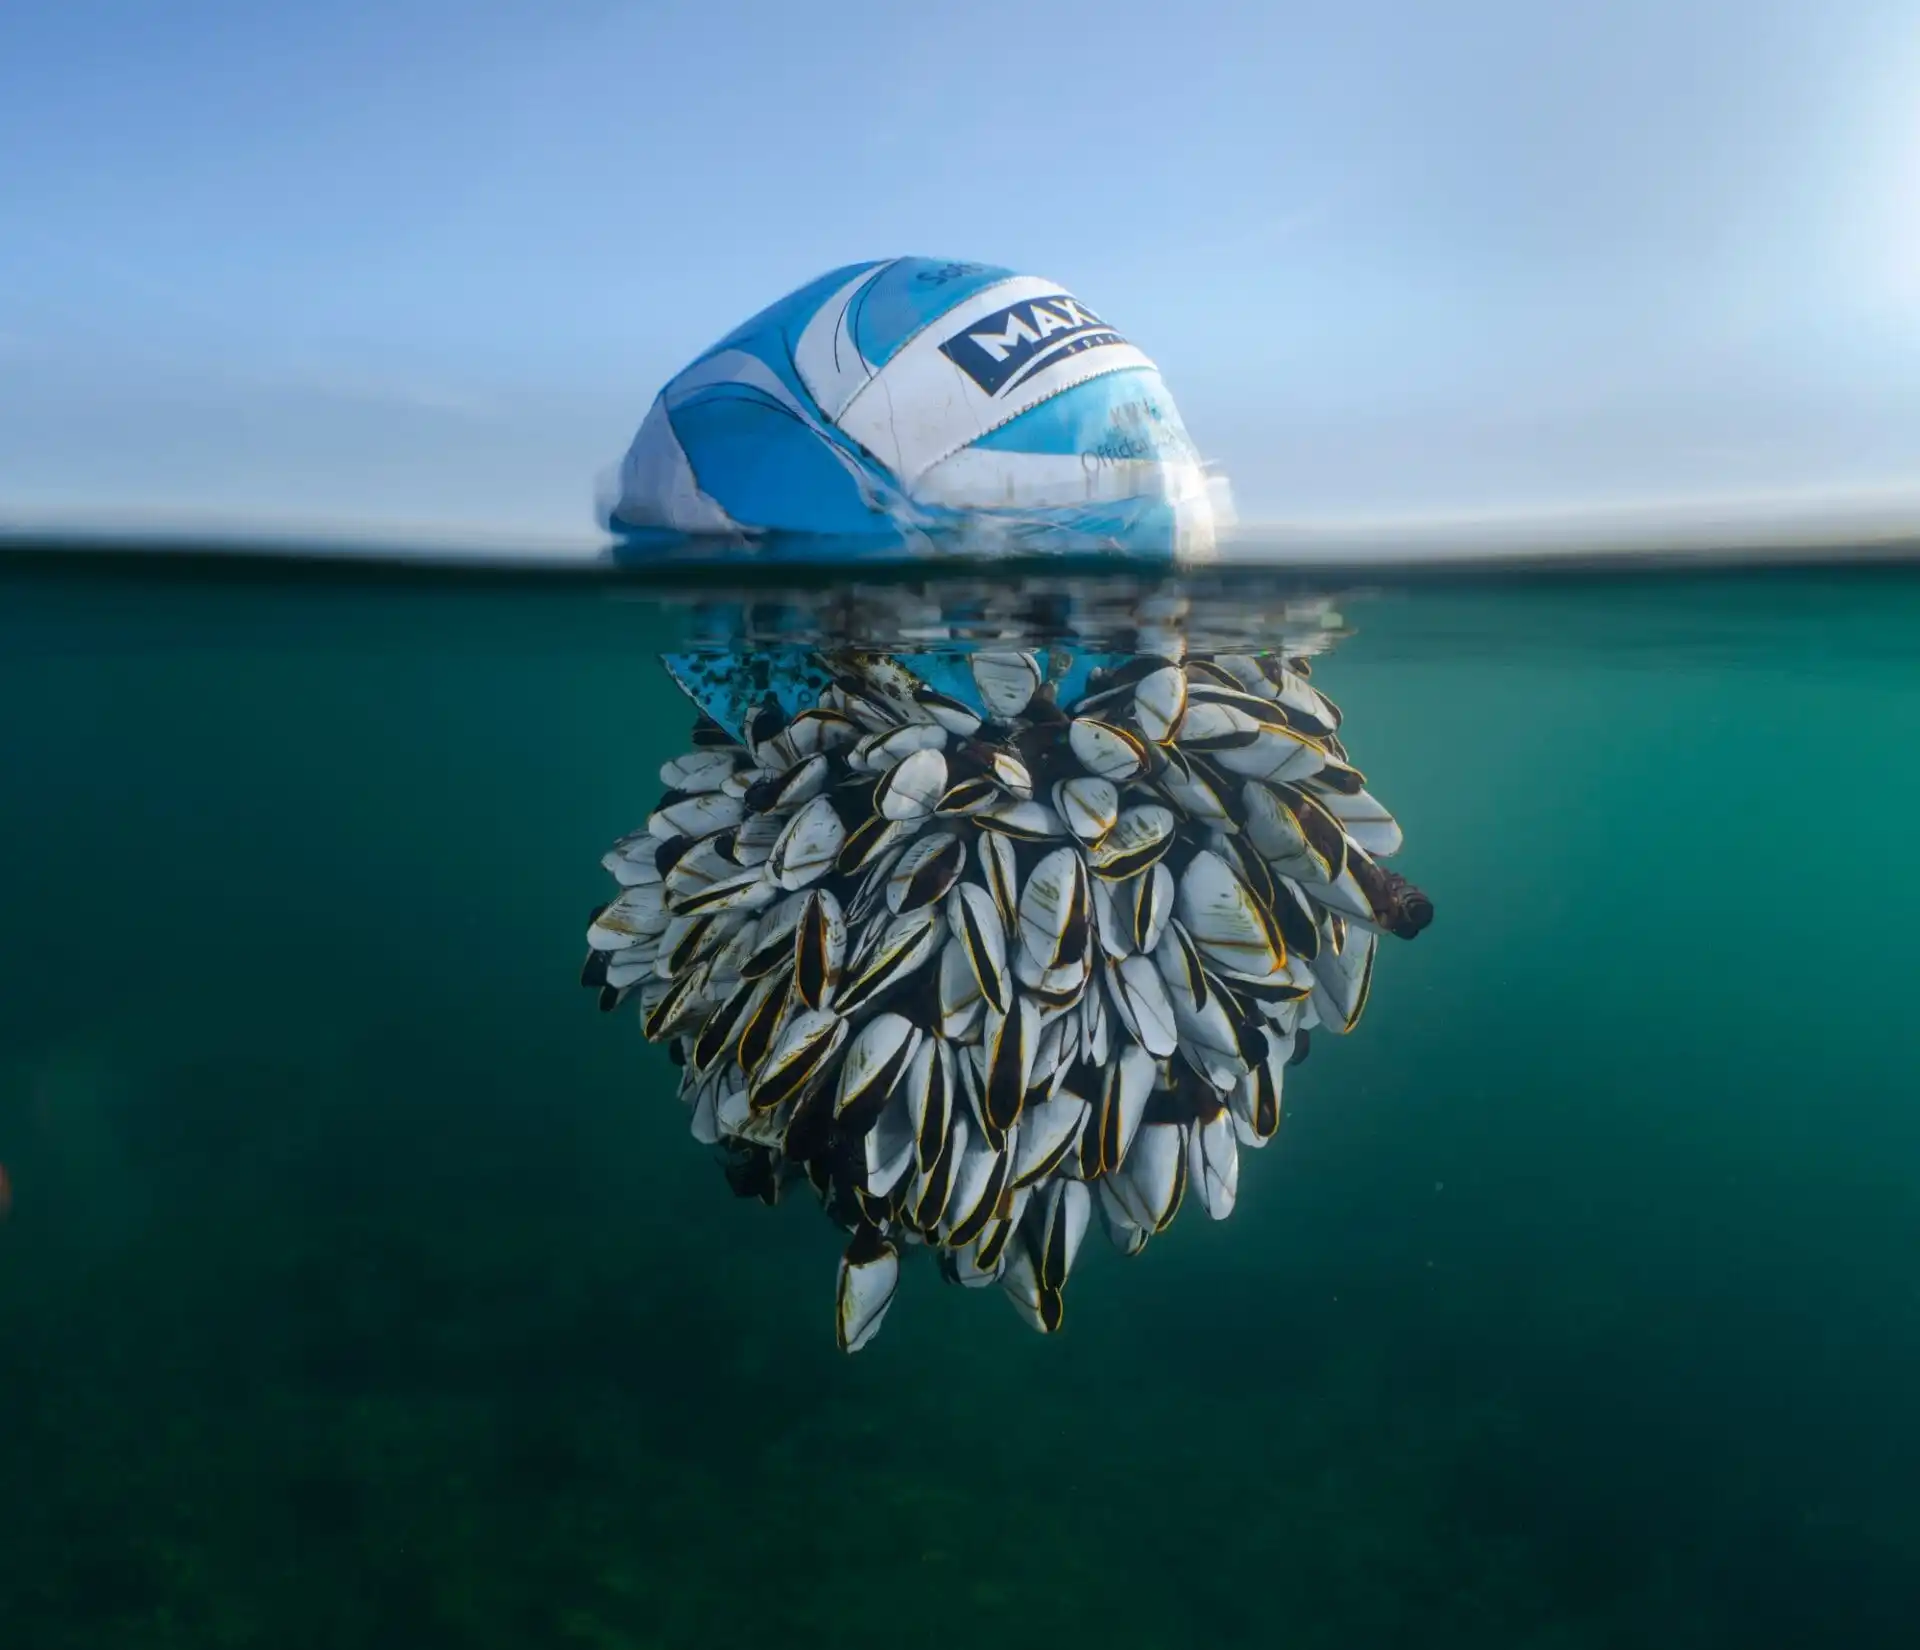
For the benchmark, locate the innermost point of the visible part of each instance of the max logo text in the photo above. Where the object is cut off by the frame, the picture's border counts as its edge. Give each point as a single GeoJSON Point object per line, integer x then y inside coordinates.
{"type": "Point", "coordinates": [1001, 349]}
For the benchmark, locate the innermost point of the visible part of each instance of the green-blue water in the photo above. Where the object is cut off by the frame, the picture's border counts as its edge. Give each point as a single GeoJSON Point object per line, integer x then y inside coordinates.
{"type": "Point", "coordinates": [362, 1286]}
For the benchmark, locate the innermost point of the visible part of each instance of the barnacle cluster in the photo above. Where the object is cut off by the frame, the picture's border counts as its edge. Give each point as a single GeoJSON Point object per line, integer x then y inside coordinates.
{"type": "Point", "coordinates": [973, 952]}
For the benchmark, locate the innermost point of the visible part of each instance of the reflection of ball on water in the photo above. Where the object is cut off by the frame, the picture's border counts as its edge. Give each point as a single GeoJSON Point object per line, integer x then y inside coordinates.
{"type": "Point", "coordinates": [912, 394]}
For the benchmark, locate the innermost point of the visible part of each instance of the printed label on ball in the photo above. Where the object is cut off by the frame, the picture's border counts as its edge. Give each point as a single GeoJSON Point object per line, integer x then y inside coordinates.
{"type": "Point", "coordinates": [996, 353]}
{"type": "Point", "coordinates": [1000, 350]}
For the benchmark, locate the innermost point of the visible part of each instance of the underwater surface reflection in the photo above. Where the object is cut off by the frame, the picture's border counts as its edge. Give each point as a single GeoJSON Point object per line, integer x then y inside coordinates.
{"type": "Point", "coordinates": [361, 1285]}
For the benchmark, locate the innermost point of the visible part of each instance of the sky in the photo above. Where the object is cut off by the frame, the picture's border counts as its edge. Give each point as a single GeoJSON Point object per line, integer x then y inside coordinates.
{"type": "Point", "coordinates": [427, 262]}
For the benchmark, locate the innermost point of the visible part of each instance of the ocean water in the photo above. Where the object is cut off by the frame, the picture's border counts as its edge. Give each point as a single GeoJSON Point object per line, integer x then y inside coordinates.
{"type": "Point", "coordinates": [362, 1285]}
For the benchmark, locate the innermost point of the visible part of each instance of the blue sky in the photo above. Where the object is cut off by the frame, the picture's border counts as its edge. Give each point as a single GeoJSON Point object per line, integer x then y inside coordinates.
{"type": "Point", "coordinates": [427, 262]}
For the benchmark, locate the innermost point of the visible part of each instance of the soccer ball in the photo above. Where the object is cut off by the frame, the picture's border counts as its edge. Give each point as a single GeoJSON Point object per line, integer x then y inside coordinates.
{"type": "Point", "coordinates": [914, 399]}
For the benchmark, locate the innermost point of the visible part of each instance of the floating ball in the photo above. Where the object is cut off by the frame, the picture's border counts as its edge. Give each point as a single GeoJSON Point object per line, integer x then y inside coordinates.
{"type": "Point", "coordinates": [912, 397]}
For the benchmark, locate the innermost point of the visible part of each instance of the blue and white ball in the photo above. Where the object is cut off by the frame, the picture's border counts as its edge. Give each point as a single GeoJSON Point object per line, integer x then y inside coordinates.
{"type": "Point", "coordinates": [913, 398]}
